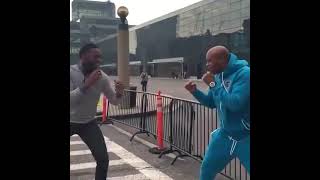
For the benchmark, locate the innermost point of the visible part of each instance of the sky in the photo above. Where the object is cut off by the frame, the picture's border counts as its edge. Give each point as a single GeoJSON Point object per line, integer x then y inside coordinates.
{"type": "Point", "coordinates": [141, 11]}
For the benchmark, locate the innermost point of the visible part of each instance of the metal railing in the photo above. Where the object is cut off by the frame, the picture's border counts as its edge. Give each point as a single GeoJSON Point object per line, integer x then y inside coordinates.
{"type": "Point", "coordinates": [186, 126]}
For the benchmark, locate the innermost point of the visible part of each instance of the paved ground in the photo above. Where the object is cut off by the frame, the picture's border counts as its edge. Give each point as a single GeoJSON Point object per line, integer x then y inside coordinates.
{"type": "Point", "coordinates": [129, 160]}
{"type": "Point", "coordinates": [132, 160]}
{"type": "Point", "coordinates": [173, 87]}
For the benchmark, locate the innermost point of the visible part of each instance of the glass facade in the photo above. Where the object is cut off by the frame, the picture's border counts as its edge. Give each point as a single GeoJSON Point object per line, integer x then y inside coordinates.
{"type": "Point", "coordinates": [219, 16]}
{"type": "Point", "coordinates": [92, 21]}
{"type": "Point", "coordinates": [91, 13]}
{"type": "Point", "coordinates": [188, 33]}
{"type": "Point", "coordinates": [92, 8]}
{"type": "Point", "coordinates": [74, 50]}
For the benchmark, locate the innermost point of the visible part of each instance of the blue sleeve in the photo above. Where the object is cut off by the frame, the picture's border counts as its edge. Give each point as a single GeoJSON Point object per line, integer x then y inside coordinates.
{"type": "Point", "coordinates": [240, 95]}
{"type": "Point", "coordinates": [204, 99]}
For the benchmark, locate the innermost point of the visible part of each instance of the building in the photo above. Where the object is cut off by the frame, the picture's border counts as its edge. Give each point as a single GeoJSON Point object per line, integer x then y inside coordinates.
{"type": "Point", "coordinates": [92, 8]}
{"type": "Point", "coordinates": [186, 34]}
{"type": "Point", "coordinates": [91, 21]}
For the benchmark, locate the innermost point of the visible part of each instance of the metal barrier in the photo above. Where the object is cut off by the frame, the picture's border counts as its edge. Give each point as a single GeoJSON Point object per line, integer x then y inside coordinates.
{"type": "Point", "coordinates": [187, 126]}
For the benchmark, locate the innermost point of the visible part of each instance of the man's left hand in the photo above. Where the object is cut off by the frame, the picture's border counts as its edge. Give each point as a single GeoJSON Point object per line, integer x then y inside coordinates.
{"type": "Point", "coordinates": [208, 78]}
{"type": "Point", "coordinates": [119, 88]}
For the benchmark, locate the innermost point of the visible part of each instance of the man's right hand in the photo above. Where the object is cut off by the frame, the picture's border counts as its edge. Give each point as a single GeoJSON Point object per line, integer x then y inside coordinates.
{"type": "Point", "coordinates": [208, 78]}
{"type": "Point", "coordinates": [191, 87]}
{"type": "Point", "coordinates": [92, 79]}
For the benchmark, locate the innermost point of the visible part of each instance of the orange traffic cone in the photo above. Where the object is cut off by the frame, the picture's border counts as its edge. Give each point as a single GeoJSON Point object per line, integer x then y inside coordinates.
{"type": "Point", "coordinates": [160, 148]}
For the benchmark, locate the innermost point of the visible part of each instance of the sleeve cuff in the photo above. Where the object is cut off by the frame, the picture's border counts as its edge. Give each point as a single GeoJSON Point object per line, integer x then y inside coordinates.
{"type": "Point", "coordinates": [82, 89]}
{"type": "Point", "coordinates": [196, 93]}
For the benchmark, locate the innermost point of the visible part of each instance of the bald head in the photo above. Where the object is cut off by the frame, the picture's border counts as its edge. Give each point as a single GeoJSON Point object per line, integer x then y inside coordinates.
{"type": "Point", "coordinates": [218, 52]}
{"type": "Point", "coordinates": [217, 59]}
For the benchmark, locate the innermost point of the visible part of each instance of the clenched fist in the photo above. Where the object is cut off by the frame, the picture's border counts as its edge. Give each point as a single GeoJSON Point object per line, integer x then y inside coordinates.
{"type": "Point", "coordinates": [119, 88]}
{"type": "Point", "coordinates": [91, 79]}
{"type": "Point", "coordinates": [191, 87]}
{"type": "Point", "coordinates": [208, 78]}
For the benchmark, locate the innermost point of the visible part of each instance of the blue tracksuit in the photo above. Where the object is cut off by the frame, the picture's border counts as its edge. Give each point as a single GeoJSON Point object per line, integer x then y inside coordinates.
{"type": "Point", "coordinates": [231, 97]}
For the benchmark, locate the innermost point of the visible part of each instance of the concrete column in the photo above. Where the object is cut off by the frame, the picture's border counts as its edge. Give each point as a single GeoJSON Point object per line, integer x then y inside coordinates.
{"type": "Point", "coordinates": [123, 58]}
{"type": "Point", "coordinates": [123, 54]}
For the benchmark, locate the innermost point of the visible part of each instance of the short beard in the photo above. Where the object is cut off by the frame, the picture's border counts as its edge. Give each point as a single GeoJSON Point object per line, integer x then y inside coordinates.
{"type": "Point", "coordinates": [88, 68]}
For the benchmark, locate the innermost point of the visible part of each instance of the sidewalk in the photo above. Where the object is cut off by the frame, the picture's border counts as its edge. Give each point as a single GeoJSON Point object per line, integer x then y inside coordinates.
{"type": "Point", "coordinates": [116, 111]}
{"type": "Point", "coordinates": [183, 169]}
{"type": "Point", "coordinates": [161, 78]}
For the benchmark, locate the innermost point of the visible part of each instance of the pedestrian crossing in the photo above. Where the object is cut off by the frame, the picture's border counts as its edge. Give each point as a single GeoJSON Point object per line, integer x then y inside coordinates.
{"type": "Point", "coordinates": [123, 165]}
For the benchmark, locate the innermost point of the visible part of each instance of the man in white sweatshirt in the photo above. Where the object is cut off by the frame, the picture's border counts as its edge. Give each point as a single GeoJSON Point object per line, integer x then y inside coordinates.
{"type": "Point", "coordinates": [87, 82]}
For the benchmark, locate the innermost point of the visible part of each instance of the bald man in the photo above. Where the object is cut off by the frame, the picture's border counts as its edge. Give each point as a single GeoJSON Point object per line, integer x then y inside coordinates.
{"type": "Point", "coordinates": [228, 80]}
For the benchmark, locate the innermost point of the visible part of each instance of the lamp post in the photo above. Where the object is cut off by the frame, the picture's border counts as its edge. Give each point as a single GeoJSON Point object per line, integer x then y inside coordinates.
{"type": "Point", "coordinates": [123, 57]}
{"type": "Point", "coordinates": [123, 47]}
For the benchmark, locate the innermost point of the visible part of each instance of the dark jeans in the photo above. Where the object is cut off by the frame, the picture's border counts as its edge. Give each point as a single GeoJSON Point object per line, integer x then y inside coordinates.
{"type": "Point", "coordinates": [91, 134]}
{"type": "Point", "coordinates": [144, 85]}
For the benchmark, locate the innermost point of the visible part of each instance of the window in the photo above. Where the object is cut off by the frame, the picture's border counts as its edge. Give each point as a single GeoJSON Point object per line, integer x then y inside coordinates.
{"type": "Point", "coordinates": [245, 3]}
{"type": "Point", "coordinates": [225, 17]}
{"type": "Point", "coordinates": [74, 50]}
{"type": "Point", "coordinates": [207, 14]}
{"type": "Point", "coordinates": [235, 23]}
{"type": "Point", "coordinates": [216, 20]}
{"type": "Point", "coordinates": [245, 12]}
{"type": "Point", "coordinates": [235, 15]}
{"type": "Point", "coordinates": [235, 6]}
{"type": "Point", "coordinates": [207, 23]}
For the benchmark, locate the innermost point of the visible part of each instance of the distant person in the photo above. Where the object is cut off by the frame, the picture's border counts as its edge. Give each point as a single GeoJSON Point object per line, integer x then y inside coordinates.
{"type": "Point", "coordinates": [228, 80]}
{"type": "Point", "coordinates": [174, 75]}
{"type": "Point", "coordinates": [87, 82]}
{"type": "Point", "coordinates": [144, 81]}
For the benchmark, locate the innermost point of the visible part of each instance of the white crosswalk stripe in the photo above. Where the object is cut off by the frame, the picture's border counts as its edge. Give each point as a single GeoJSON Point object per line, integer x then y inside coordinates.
{"type": "Point", "coordinates": [93, 165]}
{"type": "Point", "coordinates": [81, 152]}
{"type": "Point", "coordinates": [129, 177]}
{"type": "Point", "coordinates": [143, 170]}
